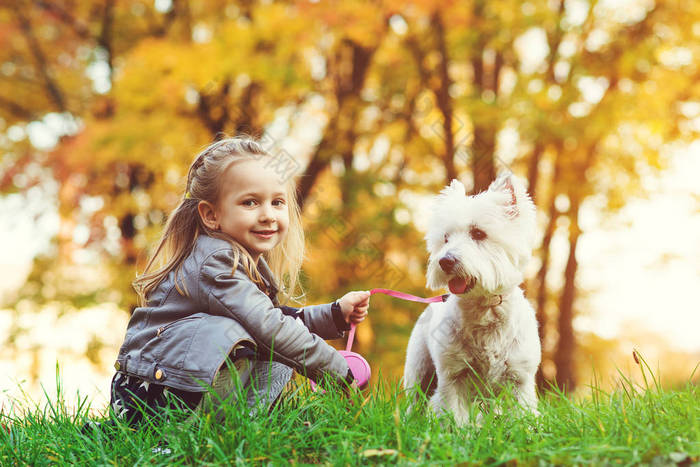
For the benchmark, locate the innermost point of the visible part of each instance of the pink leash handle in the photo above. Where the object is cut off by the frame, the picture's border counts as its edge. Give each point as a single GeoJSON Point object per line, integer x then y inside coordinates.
{"type": "Point", "coordinates": [351, 337]}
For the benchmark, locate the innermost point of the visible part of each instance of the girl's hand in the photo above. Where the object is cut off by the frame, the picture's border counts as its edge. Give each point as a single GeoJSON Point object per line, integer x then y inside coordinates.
{"type": "Point", "coordinates": [354, 306]}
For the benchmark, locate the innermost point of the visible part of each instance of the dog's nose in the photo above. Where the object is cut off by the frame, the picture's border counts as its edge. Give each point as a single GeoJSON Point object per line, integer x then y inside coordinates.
{"type": "Point", "coordinates": [447, 263]}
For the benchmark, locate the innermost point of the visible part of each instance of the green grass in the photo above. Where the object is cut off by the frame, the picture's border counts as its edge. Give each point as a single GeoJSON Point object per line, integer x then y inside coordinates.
{"type": "Point", "coordinates": [630, 426]}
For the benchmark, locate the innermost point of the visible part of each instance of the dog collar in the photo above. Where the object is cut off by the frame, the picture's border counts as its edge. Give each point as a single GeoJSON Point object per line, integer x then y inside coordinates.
{"type": "Point", "coordinates": [491, 301]}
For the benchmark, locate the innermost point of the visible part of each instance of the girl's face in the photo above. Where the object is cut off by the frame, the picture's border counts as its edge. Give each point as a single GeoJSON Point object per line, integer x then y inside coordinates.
{"type": "Point", "coordinates": [252, 207]}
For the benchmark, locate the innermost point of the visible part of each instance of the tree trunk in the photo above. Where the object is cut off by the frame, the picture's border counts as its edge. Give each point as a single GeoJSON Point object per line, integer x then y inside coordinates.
{"type": "Point", "coordinates": [566, 347]}
{"type": "Point", "coordinates": [564, 356]}
{"type": "Point", "coordinates": [444, 101]}
{"type": "Point", "coordinates": [348, 88]}
{"type": "Point", "coordinates": [533, 170]}
{"type": "Point", "coordinates": [484, 142]}
{"type": "Point", "coordinates": [482, 165]}
{"type": "Point", "coordinates": [486, 80]}
{"type": "Point", "coordinates": [540, 282]}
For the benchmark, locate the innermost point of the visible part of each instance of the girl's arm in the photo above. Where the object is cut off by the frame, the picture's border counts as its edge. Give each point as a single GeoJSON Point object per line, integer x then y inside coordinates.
{"type": "Point", "coordinates": [316, 317]}
{"type": "Point", "coordinates": [331, 320]}
{"type": "Point", "coordinates": [289, 342]}
{"type": "Point", "coordinates": [324, 320]}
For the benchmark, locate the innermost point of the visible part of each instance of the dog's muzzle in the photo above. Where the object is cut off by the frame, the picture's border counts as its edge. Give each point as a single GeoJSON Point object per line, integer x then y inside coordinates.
{"type": "Point", "coordinates": [461, 283]}
{"type": "Point", "coordinates": [447, 263]}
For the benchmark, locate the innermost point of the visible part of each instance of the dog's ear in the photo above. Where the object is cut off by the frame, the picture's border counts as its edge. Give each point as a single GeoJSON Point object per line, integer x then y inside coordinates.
{"type": "Point", "coordinates": [504, 183]}
{"type": "Point", "coordinates": [455, 187]}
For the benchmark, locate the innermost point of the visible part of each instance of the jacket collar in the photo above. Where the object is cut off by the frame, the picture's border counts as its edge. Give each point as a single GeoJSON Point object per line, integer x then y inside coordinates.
{"type": "Point", "coordinates": [267, 276]}
{"type": "Point", "coordinates": [264, 270]}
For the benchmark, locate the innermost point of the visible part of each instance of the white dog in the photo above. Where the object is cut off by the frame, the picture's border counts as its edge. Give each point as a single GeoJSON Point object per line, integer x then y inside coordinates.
{"type": "Point", "coordinates": [484, 336]}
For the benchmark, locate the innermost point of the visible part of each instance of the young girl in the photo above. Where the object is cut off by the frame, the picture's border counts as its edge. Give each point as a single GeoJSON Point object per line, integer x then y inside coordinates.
{"type": "Point", "coordinates": [209, 294]}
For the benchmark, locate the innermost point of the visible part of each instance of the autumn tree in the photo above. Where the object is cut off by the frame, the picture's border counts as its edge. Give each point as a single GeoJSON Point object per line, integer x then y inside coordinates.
{"type": "Point", "coordinates": [375, 105]}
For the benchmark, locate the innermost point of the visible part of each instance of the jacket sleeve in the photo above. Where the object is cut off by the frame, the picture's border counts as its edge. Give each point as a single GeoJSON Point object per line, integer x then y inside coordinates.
{"type": "Point", "coordinates": [321, 320]}
{"type": "Point", "coordinates": [288, 341]}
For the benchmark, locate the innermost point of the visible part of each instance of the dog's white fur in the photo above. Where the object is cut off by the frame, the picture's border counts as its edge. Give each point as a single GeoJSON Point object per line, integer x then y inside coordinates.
{"type": "Point", "coordinates": [471, 343]}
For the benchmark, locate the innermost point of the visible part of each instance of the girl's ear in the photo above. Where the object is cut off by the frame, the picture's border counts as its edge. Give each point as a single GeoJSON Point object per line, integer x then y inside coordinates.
{"type": "Point", "coordinates": [208, 214]}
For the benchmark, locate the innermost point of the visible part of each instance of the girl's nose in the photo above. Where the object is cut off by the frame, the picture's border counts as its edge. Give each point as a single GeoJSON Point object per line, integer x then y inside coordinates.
{"type": "Point", "coordinates": [266, 213]}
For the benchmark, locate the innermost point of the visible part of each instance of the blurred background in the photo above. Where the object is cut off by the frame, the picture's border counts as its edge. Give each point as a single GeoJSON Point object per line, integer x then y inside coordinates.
{"type": "Point", "coordinates": [374, 106]}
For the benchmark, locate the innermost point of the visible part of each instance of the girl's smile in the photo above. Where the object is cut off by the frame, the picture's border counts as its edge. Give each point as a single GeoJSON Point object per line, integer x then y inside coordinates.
{"type": "Point", "coordinates": [265, 234]}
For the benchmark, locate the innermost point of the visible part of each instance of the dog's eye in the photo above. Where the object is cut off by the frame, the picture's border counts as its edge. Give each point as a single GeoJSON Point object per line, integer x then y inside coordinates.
{"type": "Point", "coordinates": [477, 234]}
{"type": "Point", "coordinates": [447, 237]}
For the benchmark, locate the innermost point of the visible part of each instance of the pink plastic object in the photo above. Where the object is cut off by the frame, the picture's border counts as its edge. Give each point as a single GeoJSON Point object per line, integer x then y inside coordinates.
{"type": "Point", "coordinates": [357, 363]}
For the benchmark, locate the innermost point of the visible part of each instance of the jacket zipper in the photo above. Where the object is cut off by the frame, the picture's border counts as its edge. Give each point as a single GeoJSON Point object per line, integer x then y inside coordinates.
{"type": "Point", "coordinates": [163, 328]}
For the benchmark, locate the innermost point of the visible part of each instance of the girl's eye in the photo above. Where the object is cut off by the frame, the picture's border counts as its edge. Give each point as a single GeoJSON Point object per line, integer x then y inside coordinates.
{"type": "Point", "coordinates": [477, 234]}
{"type": "Point", "coordinates": [278, 202]}
{"type": "Point", "coordinates": [249, 202]}
{"type": "Point", "coordinates": [447, 237]}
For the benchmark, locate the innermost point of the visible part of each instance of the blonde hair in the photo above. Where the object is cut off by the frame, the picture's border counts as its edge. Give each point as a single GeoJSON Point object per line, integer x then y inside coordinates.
{"type": "Point", "coordinates": [184, 225]}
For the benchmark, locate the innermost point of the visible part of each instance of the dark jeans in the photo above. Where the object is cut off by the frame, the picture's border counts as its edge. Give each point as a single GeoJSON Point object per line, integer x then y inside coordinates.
{"type": "Point", "coordinates": [132, 399]}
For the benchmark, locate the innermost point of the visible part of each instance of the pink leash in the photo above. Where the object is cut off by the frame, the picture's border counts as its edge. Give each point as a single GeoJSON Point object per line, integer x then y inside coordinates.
{"type": "Point", "coordinates": [409, 297]}
{"type": "Point", "coordinates": [396, 294]}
